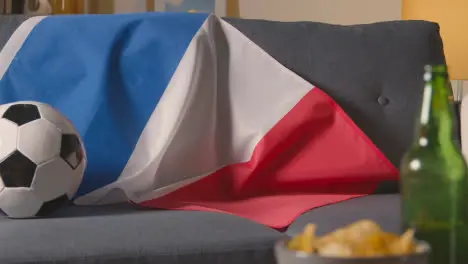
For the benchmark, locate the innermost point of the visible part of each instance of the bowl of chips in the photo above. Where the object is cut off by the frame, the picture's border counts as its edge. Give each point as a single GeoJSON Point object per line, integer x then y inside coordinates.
{"type": "Point", "coordinates": [362, 242]}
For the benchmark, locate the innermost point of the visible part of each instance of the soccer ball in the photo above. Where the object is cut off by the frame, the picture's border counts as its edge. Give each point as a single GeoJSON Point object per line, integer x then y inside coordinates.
{"type": "Point", "coordinates": [42, 159]}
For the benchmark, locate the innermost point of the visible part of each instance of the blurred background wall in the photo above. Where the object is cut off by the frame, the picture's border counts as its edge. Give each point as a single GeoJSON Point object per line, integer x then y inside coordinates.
{"type": "Point", "coordinates": [331, 11]}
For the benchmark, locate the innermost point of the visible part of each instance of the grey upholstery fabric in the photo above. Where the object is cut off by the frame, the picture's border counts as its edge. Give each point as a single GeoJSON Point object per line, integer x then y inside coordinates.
{"type": "Point", "coordinates": [124, 234]}
{"type": "Point", "coordinates": [372, 71]}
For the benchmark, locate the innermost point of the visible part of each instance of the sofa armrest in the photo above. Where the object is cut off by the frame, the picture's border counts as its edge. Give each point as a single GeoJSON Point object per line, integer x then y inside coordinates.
{"type": "Point", "coordinates": [8, 24]}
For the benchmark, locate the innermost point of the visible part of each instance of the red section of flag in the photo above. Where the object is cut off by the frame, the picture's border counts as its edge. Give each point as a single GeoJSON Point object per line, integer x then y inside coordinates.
{"type": "Point", "coordinates": [314, 156]}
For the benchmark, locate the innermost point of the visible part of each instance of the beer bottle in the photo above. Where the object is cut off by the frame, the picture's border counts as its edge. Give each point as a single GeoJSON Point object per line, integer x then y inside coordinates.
{"type": "Point", "coordinates": [433, 175]}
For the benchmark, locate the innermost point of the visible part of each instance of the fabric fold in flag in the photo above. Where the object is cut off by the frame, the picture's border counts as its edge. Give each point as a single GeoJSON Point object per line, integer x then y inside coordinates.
{"type": "Point", "coordinates": [182, 111]}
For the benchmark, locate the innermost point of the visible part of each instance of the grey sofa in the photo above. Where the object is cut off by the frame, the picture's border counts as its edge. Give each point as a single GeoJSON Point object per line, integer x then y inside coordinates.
{"type": "Point", "coordinates": [373, 71]}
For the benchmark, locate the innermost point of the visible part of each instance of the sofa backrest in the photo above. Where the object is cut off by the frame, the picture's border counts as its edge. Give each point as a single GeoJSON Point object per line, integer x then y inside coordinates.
{"type": "Point", "coordinates": [373, 71]}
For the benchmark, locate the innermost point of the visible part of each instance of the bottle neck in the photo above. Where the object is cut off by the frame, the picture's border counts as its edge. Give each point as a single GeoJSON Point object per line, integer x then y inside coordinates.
{"type": "Point", "coordinates": [437, 116]}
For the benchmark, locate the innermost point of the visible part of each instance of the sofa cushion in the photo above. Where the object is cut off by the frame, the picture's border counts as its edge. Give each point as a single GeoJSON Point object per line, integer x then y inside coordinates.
{"type": "Point", "coordinates": [125, 234]}
{"type": "Point", "coordinates": [374, 71]}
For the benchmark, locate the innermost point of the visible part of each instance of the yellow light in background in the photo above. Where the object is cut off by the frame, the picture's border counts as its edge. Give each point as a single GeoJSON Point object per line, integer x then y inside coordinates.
{"type": "Point", "coordinates": [233, 9]}
{"type": "Point", "coordinates": [67, 6]}
{"type": "Point", "coordinates": [452, 17]}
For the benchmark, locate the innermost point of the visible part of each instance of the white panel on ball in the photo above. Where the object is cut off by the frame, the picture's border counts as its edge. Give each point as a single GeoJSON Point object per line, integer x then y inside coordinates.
{"type": "Point", "coordinates": [52, 115]}
{"type": "Point", "coordinates": [3, 108]}
{"type": "Point", "coordinates": [42, 131]}
{"type": "Point", "coordinates": [52, 179]}
{"type": "Point", "coordinates": [19, 202]}
{"type": "Point", "coordinates": [8, 138]}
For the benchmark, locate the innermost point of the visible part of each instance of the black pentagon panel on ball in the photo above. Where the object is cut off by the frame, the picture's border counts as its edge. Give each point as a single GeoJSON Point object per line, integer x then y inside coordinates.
{"type": "Point", "coordinates": [71, 151]}
{"type": "Point", "coordinates": [22, 113]}
{"type": "Point", "coordinates": [51, 206]}
{"type": "Point", "coordinates": [17, 170]}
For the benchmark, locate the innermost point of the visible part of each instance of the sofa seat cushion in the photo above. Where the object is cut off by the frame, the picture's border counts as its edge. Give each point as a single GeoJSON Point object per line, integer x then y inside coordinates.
{"type": "Point", "coordinates": [125, 234]}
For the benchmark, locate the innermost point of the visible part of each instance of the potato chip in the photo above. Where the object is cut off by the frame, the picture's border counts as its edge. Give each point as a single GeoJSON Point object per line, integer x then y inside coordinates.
{"type": "Point", "coordinates": [404, 245]}
{"type": "Point", "coordinates": [374, 244]}
{"type": "Point", "coordinates": [295, 243]}
{"type": "Point", "coordinates": [308, 238]}
{"type": "Point", "coordinates": [335, 249]}
{"type": "Point", "coordinates": [363, 238]}
{"type": "Point", "coordinates": [305, 241]}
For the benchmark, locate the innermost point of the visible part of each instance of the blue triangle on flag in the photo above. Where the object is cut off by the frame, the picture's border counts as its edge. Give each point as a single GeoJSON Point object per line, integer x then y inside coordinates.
{"type": "Point", "coordinates": [106, 73]}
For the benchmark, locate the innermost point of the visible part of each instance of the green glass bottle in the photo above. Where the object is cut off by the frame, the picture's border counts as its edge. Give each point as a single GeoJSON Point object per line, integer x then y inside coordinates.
{"type": "Point", "coordinates": [433, 175]}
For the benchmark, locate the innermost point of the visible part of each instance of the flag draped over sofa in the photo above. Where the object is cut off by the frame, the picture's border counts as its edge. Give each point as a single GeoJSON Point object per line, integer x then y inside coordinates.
{"type": "Point", "coordinates": [182, 111]}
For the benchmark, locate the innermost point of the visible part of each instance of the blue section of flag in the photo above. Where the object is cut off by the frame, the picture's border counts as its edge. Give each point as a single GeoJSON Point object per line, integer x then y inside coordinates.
{"type": "Point", "coordinates": [106, 73]}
